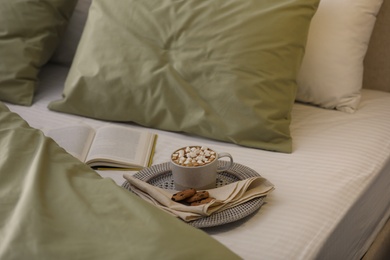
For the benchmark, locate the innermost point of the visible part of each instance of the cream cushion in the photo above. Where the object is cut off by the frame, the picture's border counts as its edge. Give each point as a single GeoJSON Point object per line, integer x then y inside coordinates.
{"type": "Point", "coordinates": [331, 74]}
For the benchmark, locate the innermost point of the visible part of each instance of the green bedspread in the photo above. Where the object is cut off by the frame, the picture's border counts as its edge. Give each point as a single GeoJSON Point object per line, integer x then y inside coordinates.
{"type": "Point", "coordinates": [54, 207]}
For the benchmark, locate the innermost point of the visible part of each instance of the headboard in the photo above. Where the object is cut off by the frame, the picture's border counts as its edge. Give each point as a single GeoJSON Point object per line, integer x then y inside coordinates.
{"type": "Point", "coordinates": [377, 60]}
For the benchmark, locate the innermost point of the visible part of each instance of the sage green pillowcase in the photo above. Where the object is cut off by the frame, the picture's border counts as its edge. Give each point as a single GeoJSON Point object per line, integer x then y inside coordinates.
{"type": "Point", "coordinates": [30, 31]}
{"type": "Point", "coordinates": [221, 69]}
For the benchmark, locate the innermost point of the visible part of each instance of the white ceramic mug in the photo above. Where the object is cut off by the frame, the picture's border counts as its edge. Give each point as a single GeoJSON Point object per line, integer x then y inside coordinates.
{"type": "Point", "coordinates": [199, 177]}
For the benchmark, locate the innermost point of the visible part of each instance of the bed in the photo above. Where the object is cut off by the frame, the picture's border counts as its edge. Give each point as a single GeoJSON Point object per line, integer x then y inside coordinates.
{"type": "Point", "coordinates": [329, 157]}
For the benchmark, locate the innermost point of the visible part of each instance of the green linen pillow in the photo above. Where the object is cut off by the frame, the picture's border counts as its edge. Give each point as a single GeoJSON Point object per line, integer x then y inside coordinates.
{"type": "Point", "coordinates": [30, 31]}
{"type": "Point", "coordinates": [222, 69]}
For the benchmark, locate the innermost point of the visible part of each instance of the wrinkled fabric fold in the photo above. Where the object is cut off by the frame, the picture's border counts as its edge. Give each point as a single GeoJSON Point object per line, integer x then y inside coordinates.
{"type": "Point", "coordinates": [226, 197]}
{"type": "Point", "coordinates": [52, 206]}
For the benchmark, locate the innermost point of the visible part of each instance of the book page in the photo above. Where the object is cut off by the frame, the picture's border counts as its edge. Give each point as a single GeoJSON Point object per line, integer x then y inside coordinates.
{"type": "Point", "coordinates": [75, 139]}
{"type": "Point", "coordinates": [122, 146]}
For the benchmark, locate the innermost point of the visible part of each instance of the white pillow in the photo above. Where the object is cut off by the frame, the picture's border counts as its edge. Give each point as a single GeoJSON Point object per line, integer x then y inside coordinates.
{"type": "Point", "coordinates": [331, 74]}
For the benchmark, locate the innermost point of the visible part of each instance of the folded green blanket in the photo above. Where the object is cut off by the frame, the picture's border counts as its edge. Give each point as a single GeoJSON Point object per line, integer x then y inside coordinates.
{"type": "Point", "coordinates": [54, 207]}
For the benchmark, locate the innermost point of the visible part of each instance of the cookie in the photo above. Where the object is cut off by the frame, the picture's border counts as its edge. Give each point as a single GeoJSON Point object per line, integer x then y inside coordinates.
{"type": "Point", "coordinates": [182, 195]}
{"type": "Point", "coordinates": [201, 202]}
{"type": "Point", "coordinates": [200, 195]}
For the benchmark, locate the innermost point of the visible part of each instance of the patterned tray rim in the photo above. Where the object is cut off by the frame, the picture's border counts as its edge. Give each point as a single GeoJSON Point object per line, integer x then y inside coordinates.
{"type": "Point", "coordinates": [238, 212]}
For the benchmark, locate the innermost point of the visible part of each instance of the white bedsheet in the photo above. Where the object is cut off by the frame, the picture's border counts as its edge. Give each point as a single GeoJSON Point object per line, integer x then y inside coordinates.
{"type": "Point", "coordinates": [339, 171]}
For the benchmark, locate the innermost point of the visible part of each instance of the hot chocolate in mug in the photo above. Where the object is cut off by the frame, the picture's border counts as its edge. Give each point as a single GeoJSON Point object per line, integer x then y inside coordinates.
{"type": "Point", "coordinates": [197, 167]}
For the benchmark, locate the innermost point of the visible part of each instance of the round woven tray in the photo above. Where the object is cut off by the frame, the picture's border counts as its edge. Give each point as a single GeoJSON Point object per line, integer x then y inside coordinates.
{"type": "Point", "coordinates": [160, 175]}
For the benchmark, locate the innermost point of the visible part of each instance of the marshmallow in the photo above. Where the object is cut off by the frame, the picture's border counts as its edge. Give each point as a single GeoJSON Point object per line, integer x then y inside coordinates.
{"type": "Point", "coordinates": [193, 156]}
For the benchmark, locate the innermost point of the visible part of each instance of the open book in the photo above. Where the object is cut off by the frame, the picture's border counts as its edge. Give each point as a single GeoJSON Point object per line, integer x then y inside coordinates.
{"type": "Point", "coordinates": [107, 146]}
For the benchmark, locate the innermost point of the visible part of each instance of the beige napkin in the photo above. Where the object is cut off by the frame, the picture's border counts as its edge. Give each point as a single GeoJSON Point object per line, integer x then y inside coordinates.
{"type": "Point", "coordinates": [226, 197]}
